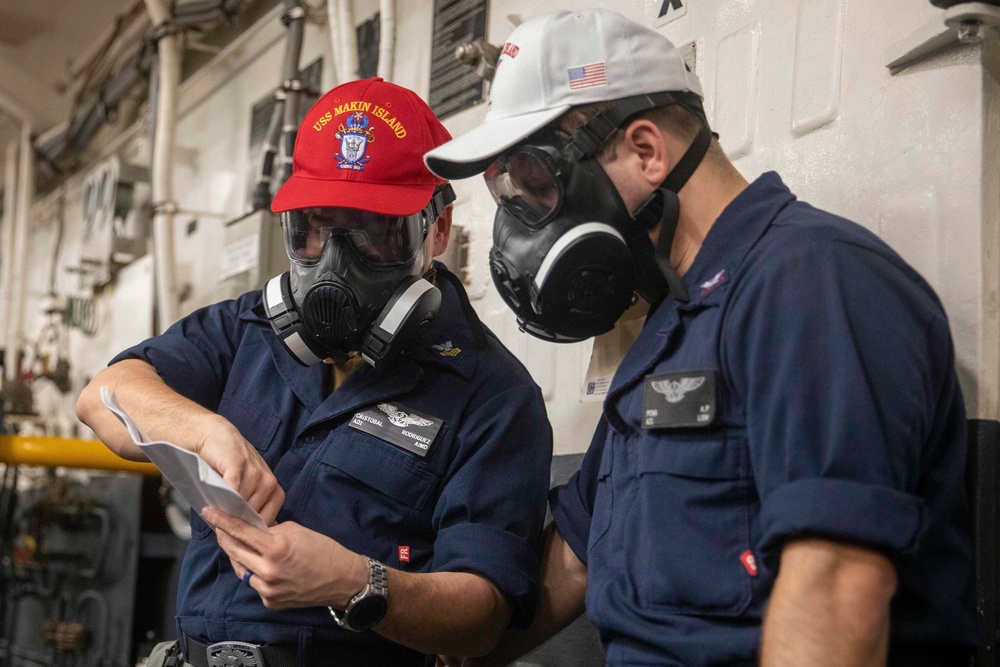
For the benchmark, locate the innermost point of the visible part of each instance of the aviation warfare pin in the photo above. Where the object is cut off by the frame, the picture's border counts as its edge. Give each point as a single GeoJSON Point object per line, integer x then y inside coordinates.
{"type": "Point", "coordinates": [399, 425]}
{"type": "Point", "coordinates": [679, 400]}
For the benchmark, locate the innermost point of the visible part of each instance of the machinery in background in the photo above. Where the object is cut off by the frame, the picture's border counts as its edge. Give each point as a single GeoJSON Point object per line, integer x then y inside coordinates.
{"type": "Point", "coordinates": [88, 560]}
{"type": "Point", "coordinates": [116, 218]}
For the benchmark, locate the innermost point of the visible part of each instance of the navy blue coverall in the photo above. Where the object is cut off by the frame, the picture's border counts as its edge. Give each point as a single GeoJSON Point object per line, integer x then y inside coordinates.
{"type": "Point", "coordinates": [472, 500]}
{"type": "Point", "coordinates": [807, 387]}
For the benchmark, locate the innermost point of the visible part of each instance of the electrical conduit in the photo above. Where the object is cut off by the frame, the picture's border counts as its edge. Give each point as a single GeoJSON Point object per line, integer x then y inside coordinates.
{"type": "Point", "coordinates": [169, 58]}
{"type": "Point", "coordinates": [295, 17]}
{"type": "Point", "coordinates": [387, 38]}
{"type": "Point", "coordinates": [22, 213]}
{"type": "Point", "coordinates": [342, 34]}
{"type": "Point", "coordinates": [7, 250]}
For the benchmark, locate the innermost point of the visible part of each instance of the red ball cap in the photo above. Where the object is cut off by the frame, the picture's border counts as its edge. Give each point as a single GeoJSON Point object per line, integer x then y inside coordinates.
{"type": "Point", "coordinates": [362, 146]}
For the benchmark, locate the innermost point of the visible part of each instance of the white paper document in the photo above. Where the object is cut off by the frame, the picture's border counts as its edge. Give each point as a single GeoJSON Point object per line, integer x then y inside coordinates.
{"type": "Point", "coordinates": [195, 480]}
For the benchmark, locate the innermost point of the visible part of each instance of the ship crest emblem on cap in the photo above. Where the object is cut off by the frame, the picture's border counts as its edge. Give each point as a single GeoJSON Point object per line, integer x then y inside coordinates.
{"type": "Point", "coordinates": [354, 140]}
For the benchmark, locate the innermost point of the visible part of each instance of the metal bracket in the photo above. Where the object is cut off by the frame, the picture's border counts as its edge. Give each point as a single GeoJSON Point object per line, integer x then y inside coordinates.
{"type": "Point", "coordinates": [481, 56]}
{"type": "Point", "coordinates": [165, 29]}
{"type": "Point", "coordinates": [963, 24]}
{"type": "Point", "coordinates": [293, 14]}
{"type": "Point", "coordinates": [165, 207]}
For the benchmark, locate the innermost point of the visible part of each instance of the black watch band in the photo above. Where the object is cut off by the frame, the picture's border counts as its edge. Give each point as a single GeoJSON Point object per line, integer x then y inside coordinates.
{"type": "Point", "coordinates": [368, 607]}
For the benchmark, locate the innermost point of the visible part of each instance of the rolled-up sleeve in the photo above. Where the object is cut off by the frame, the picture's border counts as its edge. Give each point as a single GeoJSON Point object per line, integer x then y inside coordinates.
{"type": "Point", "coordinates": [490, 512]}
{"type": "Point", "coordinates": [194, 355]}
{"type": "Point", "coordinates": [842, 355]}
{"type": "Point", "coordinates": [842, 508]}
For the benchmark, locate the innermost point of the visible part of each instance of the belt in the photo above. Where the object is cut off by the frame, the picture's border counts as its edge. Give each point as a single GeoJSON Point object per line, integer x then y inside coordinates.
{"type": "Point", "coordinates": [242, 654]}
{"type": "Point", "coordinates": [239, 654]}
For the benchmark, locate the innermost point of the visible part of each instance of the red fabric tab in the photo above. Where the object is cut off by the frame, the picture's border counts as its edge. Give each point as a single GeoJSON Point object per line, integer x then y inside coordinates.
{"type": "Point", "coordinates": [749, 562]}
{"type": "Point", "coordinates": [404, 554]}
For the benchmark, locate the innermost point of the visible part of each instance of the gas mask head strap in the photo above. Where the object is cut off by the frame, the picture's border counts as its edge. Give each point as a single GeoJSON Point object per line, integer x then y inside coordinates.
{"type": "Point", "coordinates": [663, 206]}
{"type": "Point", "coordinates": [444, 195]}
{"type": "Point", "coordinates": [591, 136]}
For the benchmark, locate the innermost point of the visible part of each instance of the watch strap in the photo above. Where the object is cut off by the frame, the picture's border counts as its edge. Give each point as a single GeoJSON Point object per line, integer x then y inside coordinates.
{"type": "Point", "coordinates": [377, 586]}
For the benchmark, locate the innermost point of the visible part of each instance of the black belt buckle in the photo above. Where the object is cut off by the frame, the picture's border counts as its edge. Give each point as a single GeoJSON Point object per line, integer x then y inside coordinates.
{"type": "Point", "coordinates": [234, 654]}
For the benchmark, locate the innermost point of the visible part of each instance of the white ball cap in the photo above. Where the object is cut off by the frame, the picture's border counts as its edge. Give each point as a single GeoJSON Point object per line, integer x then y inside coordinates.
{"type": "Point", "coordinates": [554, 62]}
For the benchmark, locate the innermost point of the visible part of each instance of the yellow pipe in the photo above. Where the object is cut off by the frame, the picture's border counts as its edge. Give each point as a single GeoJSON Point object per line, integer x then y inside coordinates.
{"type": "Point", "coordinates": [67, 453]}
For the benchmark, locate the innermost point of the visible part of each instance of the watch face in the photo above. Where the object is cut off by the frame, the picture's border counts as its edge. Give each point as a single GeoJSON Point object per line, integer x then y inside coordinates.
{"type": "Point", "coordinates": [367, 612]}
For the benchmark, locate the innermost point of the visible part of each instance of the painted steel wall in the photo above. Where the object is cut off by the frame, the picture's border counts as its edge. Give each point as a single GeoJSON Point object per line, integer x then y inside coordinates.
{"type": "Point", "coordinates": [798, 86]}
{"type": "Point", "coordinates": [801, 87]}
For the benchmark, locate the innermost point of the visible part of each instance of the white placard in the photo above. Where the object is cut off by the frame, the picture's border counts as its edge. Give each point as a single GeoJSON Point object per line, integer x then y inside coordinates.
{"type": "Point", "coordinates": [239, 256]}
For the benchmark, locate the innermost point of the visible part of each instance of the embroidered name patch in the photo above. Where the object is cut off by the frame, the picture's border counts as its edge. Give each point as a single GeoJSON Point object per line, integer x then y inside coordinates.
{"type": "Point", "coordinates": [399, 425]}
{"type": "Point", "coordinates": [679, 400]}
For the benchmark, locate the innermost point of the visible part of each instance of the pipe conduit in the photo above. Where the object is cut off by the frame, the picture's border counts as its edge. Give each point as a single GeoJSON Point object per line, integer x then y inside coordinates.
{"type": "Point", "coordinates": [169, 73]}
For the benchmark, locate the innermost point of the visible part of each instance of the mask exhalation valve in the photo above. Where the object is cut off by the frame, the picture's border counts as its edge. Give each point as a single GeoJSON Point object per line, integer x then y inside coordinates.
{"type": "Point", "coordinates": [329, 308]}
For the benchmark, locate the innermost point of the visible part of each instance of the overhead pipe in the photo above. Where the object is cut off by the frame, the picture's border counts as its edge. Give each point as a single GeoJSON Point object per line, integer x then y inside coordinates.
{"type": "Point", "coordinates": [342, 34]}
{"type": "Point", "coordinates": [295, 17]}
{"type": "Point", "coordinates": [129, 27]}
{"type": "Point", "coordinates": [93, 112]}
{"type": "Point", "coordinates": [89, 118]}
{"type": "Point", "coordinates": [282, 129]}
{"type": "Point", "coordinates": [261, 197]}
{"type": "Point", "coordinates": [387, 38]}
{"type": "Point", "coordinates": [7, 248]}
{"type": "Point", "coordinates": [22, 219]}
{"type": "Point", "coordinates": [164, 206]}
{"type": "Point", "coordinates": [205, 11]}
{"type": "Point", "coordinates": [125, 79]}
{"type": "Point", "coordinates": [153, 105]}
{"type": "Point", "coordinates": [24, 193]}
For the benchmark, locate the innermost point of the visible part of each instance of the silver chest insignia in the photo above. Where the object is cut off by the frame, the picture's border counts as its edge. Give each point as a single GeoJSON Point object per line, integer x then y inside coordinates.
{"type": "Point", "coordinates": [399, 425]}
{"type": "Point", "coordinates": [685, 399]}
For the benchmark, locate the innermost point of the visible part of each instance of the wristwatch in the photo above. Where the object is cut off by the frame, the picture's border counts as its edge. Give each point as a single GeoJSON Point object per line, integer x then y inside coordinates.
{"type": "Point", "coordinates": [368, 607]}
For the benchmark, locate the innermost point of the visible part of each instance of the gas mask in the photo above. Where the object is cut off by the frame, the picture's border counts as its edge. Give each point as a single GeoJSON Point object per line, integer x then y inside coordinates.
{"type": "Point", "coordinates": [567, 254]}
{"type": "Point", "coordinates": [355, 283]}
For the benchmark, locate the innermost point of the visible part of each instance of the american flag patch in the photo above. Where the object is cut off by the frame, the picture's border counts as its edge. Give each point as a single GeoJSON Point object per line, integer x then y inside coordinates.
{"type": "Point", "coordinates": [587, 76]}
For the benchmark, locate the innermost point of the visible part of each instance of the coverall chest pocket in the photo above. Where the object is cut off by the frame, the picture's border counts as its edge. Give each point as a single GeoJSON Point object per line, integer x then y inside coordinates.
{"type": "Point", "coordinates": [373, 470]}
{"type": "Point", "coordinates": [371, 497]}
{"type": "Point", "coordinates": [691, 522]}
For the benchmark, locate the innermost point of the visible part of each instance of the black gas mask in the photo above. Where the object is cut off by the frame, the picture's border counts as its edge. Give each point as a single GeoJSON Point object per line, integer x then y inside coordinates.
{"type": "Point", "coordinates": [567, 254]}
{"type": "Point", "coordinates": [355, 283]}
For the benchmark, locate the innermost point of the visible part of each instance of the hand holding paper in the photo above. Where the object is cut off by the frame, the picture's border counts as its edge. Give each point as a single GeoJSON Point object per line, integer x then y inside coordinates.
{"type": "Point", "coordinates": [190, 475]}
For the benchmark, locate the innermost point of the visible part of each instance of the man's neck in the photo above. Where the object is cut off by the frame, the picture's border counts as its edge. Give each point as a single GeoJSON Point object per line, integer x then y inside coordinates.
{"type": "Point", "coordinates": [339, 372]}
{"type": "Point", "coordinates": [703, 198]}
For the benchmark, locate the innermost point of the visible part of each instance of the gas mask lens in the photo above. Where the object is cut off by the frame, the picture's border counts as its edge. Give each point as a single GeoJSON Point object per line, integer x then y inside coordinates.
{"type": "Point", "coordinates": [380, 241]}
{"type": "Point", "coordinates": [526, 183]}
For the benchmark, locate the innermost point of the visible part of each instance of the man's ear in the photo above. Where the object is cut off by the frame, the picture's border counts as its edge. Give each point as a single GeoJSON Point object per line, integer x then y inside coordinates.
{"type": "Point", "coordinates": [644, 139]}
{"type": "Point", "coordinates": [440, 232]}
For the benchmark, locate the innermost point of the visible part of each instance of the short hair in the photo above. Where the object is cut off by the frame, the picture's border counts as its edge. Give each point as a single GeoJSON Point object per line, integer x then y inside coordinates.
{"type": "Point", "coordinates": [675, 119]}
